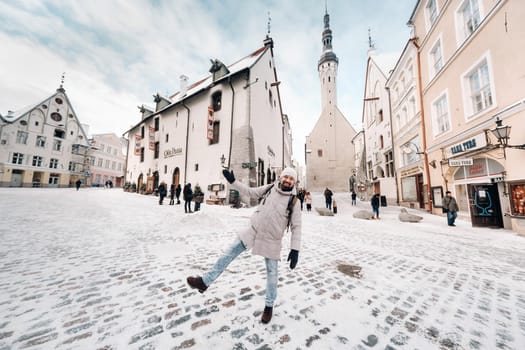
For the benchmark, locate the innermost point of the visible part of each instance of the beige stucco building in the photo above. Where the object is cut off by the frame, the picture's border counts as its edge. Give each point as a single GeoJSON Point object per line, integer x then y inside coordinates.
{"type": "Point", "coordinates": [107, 158]}
{"type": "Point", "coordinates": [408, 131]}
{"type": "Point", "coordinates": [472, 74]}
{"type": "Point", "coordinates": [329, 148]}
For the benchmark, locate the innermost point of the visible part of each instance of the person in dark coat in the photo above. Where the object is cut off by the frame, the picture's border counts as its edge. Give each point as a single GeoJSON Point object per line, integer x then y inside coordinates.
{"type": "Point", "coordinates": [354, 197]}
{"type": "Point", "coordinates": [198, 197]}
{"type": "Point", "coordinates": [450, 206]}
{"type": "Point", "coordinates": [375, 205]}
{"type": "Point", "coordinates": [162, 192]}
{"type": "Point", "coordinates": [178, 190]}
{"type": "Point", "coordinates": [328, 198]}
{"type": "Point", "coordinates": [300, 196]}
{"type": "Point", "coordinates": [188, 196]}
{"type": "Point", "coordinates": [78, 183]}
{"type": "Point", "coordinates": [172, 194]}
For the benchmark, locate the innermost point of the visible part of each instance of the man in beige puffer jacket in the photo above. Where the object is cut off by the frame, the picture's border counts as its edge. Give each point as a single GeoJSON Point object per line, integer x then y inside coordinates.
{"type": "Point", "coordinates": [277, 210]}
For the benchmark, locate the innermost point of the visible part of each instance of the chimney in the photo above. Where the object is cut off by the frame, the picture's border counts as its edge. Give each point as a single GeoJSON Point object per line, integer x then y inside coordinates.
{"type": "Point", "coordinates": [183, 86]}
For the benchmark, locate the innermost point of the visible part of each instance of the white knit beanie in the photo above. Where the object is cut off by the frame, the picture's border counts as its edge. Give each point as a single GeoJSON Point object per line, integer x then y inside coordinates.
{"type": "Point", "coordinates": [290, 172]}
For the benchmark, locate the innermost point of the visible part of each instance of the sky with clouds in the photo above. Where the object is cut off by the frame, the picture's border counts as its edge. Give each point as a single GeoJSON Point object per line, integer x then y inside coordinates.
{"type": "Point", "coordinates": [116, 54]}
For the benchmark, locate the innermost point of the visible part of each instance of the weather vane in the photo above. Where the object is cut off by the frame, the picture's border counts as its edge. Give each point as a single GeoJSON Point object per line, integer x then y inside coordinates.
{"type": "Point", "coordinates": [370, 43]}
{"type": "Point", "coordinates": [62, 79]}
{"type": "Point", "coordinates": [269, 20]}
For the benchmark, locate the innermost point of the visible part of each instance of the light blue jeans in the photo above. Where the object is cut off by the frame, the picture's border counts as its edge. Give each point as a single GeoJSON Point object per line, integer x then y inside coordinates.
{"type": "Point", "coordinates": [229, 255]}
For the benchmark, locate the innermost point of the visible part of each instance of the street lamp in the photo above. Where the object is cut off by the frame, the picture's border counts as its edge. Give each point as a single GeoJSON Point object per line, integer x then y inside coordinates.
{"type": "Point", "coordinates": [502, 133]}
{"type": "Point", "coordinates": [223, 160]}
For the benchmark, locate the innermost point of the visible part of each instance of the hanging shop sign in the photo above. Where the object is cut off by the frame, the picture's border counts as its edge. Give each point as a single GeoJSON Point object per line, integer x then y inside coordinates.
{"type": "Point", "coordinates": [211, 119]}
{"type": "Point", "coordinates": [470, 144]}
{"type": "Point", "coordinates": [461, 162]}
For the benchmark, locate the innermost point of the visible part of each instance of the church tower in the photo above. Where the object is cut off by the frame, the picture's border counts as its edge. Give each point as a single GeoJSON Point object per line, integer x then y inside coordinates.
{"type": "Point", "coordinates": [327, 68]}
{"type": "Point", "coordinates": [329, 151]}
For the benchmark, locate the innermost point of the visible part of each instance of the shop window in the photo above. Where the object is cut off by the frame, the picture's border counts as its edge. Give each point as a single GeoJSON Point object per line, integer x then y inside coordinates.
{"type": "Point", "coordinates": [517, 199]}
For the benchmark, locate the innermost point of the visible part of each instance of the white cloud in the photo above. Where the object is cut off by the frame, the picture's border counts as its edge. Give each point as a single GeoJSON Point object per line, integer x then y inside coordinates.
{"type": "Point", "coordinates": [117, 54]}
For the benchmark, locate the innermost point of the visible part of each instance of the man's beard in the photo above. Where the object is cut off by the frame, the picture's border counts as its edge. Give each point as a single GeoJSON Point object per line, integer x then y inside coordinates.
{"type": "Point", "coordinates": [286, 187]}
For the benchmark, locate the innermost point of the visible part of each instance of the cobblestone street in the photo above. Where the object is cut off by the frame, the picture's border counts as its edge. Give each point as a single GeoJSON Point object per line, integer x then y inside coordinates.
{"type": "Point", "coordinates": [105, 269]}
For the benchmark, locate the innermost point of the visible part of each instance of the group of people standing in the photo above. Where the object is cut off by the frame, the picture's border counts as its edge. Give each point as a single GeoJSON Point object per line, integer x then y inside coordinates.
{"type": "Point", "coordinates": [305, 197]}
{"type": "Point", "coordinates": [196, 195]}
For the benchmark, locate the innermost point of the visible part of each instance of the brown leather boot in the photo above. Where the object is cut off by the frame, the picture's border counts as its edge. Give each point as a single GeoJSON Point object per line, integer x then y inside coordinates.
{"type": "Point", "coordinates": [197, 283]}
{"type": "Point", "coordinates": [267, 314]}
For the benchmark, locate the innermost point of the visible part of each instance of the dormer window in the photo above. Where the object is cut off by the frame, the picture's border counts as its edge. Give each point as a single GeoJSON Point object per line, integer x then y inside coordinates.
{"type": "Point", "coordinates": [58, 100]}
{"type": "Point", "coordinates": [216, 101]}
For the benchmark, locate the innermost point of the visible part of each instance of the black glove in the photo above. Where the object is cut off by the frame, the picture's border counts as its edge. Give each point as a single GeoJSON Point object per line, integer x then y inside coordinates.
{"type": "Point", "coordinates": [228, 175]}
{"type": "Point", "coordinates": [293, 256]}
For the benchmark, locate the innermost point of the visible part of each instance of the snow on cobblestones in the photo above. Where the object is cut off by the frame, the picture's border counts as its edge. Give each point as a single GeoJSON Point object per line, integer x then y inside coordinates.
{"type": "Point", "coordinates": [106, 269]}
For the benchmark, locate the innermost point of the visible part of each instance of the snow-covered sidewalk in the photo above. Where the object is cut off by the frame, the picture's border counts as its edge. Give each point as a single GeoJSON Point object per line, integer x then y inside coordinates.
{"type": "Point", "coordinates": [106, 269]}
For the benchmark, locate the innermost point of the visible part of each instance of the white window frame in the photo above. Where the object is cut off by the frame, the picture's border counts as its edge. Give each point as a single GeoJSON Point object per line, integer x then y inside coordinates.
{"type": "Point", "coordinates": [40, 141]}
{"type": "Point", "coordinates": [37, 161]}
{"type": "Point", "coordinates": [57, 145]}
{"type": "Point", "coordinates": [432, 71]}
{"type": "Point", "coordinates": [21, 137]}
{"type": "Point", "coordinates": [431, 16]}
{"type": "Point", "coordinates": [468, 106]}
{"type": "Point", "coordinates": [18, 158]}
{"type": "Point", "coordinates": [461, 22]}
{"type": "Point", "coordinates": [436, 130]}
{"type": "Point", "coordinates": [53, 163]}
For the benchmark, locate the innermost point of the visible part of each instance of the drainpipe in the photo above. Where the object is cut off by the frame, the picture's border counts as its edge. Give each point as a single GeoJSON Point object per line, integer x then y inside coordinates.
{"type": "Point", "coordinates": [392, 144]}
{"type": "Point", "coordinates": [423, 128]}
{"type": "Point", "coordinates": [231, 120]}
{"type": "Point", "coordinates": [187, 141]}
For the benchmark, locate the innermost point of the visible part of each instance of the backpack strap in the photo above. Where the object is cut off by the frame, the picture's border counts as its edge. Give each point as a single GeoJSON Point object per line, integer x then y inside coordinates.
{"type": "Point", "coordinates": [262, 199]}
{"type": "Point", "coordinates": [289, 208]}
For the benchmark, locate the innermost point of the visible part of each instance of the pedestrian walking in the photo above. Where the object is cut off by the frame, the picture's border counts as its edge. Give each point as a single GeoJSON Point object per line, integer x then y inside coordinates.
{"type": "Point", "coordinates": [187, 194]}
{"type": "Point", "coordinates": [375, 205]}
{"type": "Point", "coordinates": [162, 192]}
{"type": "Point", "coordinates": [264, 235]}
{"type": "Point", "coordinates": [78, 183]}
{"type": "Point", "coordinates": [450, 206]}
{"type": "Point", "coordinates": [178, 190]}
{"type": "Point", "coordinates": [334, 206]}
{"type": "Point", "coordinates": [308, 199]}
{"type": "Point", "coordinates": [300, 196]}
{"type": "Point", "coordinates": [354, 197]}
{"type": "Point", "coordinates": [198, 197]}
{"type": "Point", "coordinates": [172, 194]}
{"type": "Point", "coordinates": [328, 198]}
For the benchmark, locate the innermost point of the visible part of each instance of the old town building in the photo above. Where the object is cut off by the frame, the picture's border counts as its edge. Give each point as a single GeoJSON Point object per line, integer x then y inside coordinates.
{"type": "Point", "coordinates": [377, 126]}
{"type": "Point", "coordinates": [232, 118]}
{"type": "Point", "coordinates": [329, 148]}
{"type": "Point", "coordinates": [107, 159]}
{"type": "Point", "coordinates": [472, 87]}
{"type": "Point", "coordinates": [43, 145]}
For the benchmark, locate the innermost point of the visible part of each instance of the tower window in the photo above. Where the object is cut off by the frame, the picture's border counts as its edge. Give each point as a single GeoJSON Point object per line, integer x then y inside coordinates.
{"type": "Point", "coordinates": [319, 153]}
{"type": "Point", "coordinates": [328, 78]}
